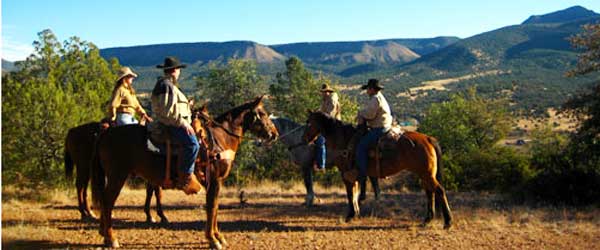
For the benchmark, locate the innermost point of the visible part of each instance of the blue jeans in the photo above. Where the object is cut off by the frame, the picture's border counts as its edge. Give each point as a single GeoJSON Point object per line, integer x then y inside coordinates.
{"type": "Point", "coordinates": [362, 149]}
{"type": "Point", "coordinates": [125, 119]}
{"type": "Point", "coordinates": [320, 152]}
{"type": "Point", "coordinates": [190, 146]}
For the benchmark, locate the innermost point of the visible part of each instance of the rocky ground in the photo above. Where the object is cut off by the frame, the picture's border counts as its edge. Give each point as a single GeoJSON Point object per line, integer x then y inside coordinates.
{"type": "Point", "coordinates": [274, 218]}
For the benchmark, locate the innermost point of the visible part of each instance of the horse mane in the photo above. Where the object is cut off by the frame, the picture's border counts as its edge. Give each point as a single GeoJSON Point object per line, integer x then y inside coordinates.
{"type": "Point", "coordinates": [286, 122]}
{"type": "Point", "coordinates": [235, 112]}
{"type": "Point", "coordinates": [330, 124]}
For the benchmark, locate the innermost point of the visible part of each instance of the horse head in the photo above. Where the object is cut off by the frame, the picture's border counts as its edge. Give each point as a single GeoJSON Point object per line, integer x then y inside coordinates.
{"type": "Point", "coordinates": [258, 121]}
{"type": "Point", "coordinates": [313, 126]}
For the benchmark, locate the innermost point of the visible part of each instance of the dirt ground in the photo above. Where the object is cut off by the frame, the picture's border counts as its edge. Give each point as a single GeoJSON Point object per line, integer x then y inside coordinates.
{"type": "Point", "coordinates": [275, 218]}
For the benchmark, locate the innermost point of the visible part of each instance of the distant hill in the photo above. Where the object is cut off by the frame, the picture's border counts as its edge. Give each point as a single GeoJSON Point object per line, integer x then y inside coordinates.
{"type": "Point", "coordinates": [529, 60]}
{"type": "Point", "coordinates": [567, 15]}
{"type": "Point", "coordinates": [378, 51]}
{"type": "Point", "coordinates": [508, 46]}
{"type": "Point", "coordinates": [150, 55]}
{"type": "Point", "coordinates": [338, 54]}
{"type": "Point", "coordinates": [8, 66]}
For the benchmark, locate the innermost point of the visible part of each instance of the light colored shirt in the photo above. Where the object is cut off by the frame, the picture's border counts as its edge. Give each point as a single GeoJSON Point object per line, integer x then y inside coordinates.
{"type": "Point", "coordinates": [331, 106]}
{"type": "Point", "coordinates": [123, 101]}
{"type": "Point", "coordinates": [376, 111]}
{"type": "Point", "coordinates": [169, 104]}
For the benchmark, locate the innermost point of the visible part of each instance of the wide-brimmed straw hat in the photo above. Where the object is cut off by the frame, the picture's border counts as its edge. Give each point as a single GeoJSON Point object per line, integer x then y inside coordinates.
{"type": "Point", "coordinates": [171, 62]}
{"type": "Point", "coordinates": [373, 83]}
{"type": "Point", "coordinates": [326, 88]}
{"type": "Point", "coordinates": [125, 71]}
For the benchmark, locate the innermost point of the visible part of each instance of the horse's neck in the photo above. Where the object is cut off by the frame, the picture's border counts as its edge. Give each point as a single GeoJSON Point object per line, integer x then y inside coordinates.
{"type": "Point", "coordinates": [342, 138]}
{"type": "Point", "coordinates": [232, 135]}
{"type": "Point", "coordinates": [292, 134]}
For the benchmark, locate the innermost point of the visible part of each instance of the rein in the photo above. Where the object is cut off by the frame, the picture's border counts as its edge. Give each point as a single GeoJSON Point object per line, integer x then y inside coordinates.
{"type": "Point", "coordinates": [286, 134]}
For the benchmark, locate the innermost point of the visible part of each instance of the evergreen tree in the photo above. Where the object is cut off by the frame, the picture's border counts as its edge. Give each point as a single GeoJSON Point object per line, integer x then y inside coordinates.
{"type": "Point", "coordinates": [231, 85]}
{"type": "Point", "coordinates": [56, 88]}
{"type": "Point", "coordinates": [295, 91]}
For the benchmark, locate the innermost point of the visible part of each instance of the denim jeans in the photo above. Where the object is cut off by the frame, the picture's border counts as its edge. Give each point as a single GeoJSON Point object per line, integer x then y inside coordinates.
{"type": "Point", "coordinates": [320, 152]}
{"type": "Point", "coordinates": [362, 149]}
{"type": "Point", "coordinates": [125, 119]}
{"type": "Point", "coordinates": [190, 147]}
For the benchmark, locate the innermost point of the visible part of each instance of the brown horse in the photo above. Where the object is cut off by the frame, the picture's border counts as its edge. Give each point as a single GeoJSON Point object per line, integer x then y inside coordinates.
{"type": "Point", "coordinates": [122, 151]}
{"type": "Point", "coordinates": [415, 152]}
{"type": "Point", "coordinates": [79, 148]}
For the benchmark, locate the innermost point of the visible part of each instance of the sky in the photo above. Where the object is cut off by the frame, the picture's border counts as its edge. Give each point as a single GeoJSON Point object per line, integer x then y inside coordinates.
{"type": "Point", "coordinates": [121, 23]}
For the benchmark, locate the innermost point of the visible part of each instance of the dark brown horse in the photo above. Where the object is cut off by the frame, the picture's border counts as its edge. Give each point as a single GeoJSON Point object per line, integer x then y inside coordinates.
{"type": "Point", "coordinates": [415, 152]}
{"type": "Point", "coordinates": [122, 151]}
{"type": "Point", "coordinates": [79, 148]}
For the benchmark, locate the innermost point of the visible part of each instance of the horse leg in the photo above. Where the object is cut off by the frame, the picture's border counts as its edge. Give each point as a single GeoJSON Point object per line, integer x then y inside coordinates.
{"type": "Point", "coordinates": [159, 210]}
{"type": "Point", "coordinates": [430, 207]}
{"type": "Point", "coordinates": [440, 195]}
{"type": "Point", "coordinates": [307, 173]}
{"type": "Point", "coordinates": [113, 188]}
{"type": "Point", "coordinates": [218, 235]}
{"type": "Point", "coordinates": [149, 193]}
{"type": "Point", "coordinates": [375, 186]}
{"type": "Point", "coordinates": [81, 199]}
{"type": "Point", "coordinates": [211, 213]}
{"type": "Point", "coordinates": [352, 195]}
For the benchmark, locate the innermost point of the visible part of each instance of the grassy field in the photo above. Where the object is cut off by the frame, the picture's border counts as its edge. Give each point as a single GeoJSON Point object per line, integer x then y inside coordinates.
{"type": "Point", "coordinates": [274, 218]}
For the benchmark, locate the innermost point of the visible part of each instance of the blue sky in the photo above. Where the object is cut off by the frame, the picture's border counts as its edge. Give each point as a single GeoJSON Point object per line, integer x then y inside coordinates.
{"type": "Point", "coordinates": [117, 23]}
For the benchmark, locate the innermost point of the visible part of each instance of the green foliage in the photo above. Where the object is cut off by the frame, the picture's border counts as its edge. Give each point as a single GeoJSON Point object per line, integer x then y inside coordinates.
{"type": "Point", "coordinates": [231, 85]}
{"type": "Point", "coordinates": [569, 172]}
{"type": "Point", "coordinates": [295, 91]}
{"type": "Point", "coordinates": [467, 122]}
{"type": "Point", "coordinates": [468, 128]}
{"type": "Point", "coordinates": [58, 87]}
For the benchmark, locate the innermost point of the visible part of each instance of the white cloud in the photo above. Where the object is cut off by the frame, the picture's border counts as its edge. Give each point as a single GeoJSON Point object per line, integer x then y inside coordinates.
{"type": "Point", "coordinates": [15, 51]}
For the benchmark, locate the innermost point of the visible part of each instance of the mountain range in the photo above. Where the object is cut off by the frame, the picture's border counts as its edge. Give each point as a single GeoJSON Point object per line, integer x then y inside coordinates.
{"type": "Point", "coordinates": [527, 60]}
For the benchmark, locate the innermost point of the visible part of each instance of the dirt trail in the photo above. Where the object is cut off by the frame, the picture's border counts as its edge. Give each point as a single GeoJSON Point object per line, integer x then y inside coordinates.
{"type": "Point", "coordinates": [275, 219]}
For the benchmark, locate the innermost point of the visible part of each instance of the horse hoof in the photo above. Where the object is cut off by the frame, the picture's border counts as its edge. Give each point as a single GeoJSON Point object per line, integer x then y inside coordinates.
{"type": "Point", "coordinates": [88, 218]}
{"type": "Point", "coordinates": [215, 245]}
{"type": "Point", "coordinates": [447, 226]}
{"type": "Point", "coordinates": [112, 244]}
{"type": "Point", "coordinates": [223, 241]}
{"type": "Point", "coordinates": [164, 221]}
{"type": "Point", "coordinates": [150, 220]}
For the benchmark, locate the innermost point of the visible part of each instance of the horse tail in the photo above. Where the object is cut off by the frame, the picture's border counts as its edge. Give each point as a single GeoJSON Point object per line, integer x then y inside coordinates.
{"type": "Point", "coordinates": [68, 165]}
{"type": "Point", "coordinates": [438, 154]}
{"type": "Point", "coordinates": [97, 176]}
{"type": "Point", "coordinates": [67, 157]}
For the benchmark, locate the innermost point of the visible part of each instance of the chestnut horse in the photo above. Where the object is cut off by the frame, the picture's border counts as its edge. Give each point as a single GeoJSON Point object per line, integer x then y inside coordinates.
{"type": "Point", "coordinates": [413, 151]}
{"type": "Point", "coordinates": [122, 151]}
{"type": "Point", "coordinates": [79, 148]}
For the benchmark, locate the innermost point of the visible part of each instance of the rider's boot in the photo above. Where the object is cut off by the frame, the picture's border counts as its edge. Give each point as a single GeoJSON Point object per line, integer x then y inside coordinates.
{"type": "Point", "coordinates": [189, 183]}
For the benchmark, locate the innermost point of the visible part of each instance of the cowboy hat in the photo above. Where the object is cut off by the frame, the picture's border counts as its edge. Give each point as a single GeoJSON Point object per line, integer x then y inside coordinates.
{"type": "Point", "coordinates": [373, 83]}
{"type": "Point", "coordinates": [125, 71]}
{"type": "Point", "coordinates": [326, 88]}
{"type": "Point", "coordinates": [171, 62]}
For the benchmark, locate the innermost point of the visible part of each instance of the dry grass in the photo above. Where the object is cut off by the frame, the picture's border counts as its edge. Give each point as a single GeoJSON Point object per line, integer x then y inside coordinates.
{"type": "Point", "coordinates": [275, 219]}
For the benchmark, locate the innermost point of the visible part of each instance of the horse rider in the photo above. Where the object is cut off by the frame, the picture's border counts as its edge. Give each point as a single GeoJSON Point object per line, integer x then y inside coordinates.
{"type": "Point", "coordinates": [376, 113]}
{"type": "Point", "coordinates": [331, 106]}
{"type": "Point", "coordinates": [172, 109]}
{"type": "Point", "coordinates": [124, 104]}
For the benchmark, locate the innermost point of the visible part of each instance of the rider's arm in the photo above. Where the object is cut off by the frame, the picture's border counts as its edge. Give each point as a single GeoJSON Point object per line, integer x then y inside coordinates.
{"type": "Point", "coordinates": [115, 103]}
{"type": "Point", "coordinates": [370, 110]}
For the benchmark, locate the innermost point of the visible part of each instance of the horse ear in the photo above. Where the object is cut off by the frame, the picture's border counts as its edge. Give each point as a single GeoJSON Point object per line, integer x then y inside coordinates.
{"type": "Point", "coordinates": [258, 100]}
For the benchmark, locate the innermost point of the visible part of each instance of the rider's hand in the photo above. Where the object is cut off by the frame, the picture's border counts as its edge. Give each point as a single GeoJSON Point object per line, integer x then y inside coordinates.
{"type": "Point", "coordinates": [189, 129]}
{"type": "Point", "coordinates": [147, 118]}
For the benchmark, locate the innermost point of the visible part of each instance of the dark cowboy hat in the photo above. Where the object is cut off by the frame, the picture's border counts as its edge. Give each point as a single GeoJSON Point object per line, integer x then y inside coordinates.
{"type": "Point", "coordinates": [326, 88]}
{"type": "Point", "coordinates": [373, 83]}
{"type": "Point", "coordinates": [171, 62]}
